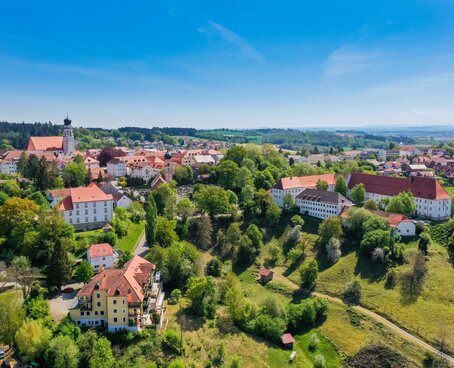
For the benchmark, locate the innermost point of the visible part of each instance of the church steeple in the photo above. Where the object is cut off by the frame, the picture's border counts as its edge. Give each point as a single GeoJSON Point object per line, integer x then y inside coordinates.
{"type": "Point", "coordinates": [68, 137]}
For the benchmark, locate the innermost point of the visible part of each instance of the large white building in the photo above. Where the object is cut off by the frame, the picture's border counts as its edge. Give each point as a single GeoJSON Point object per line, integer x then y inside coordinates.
{"type": "Point", "coordinates": [84, 207]}
{"type": "Point", "coordinates": [430, 197]}
{"type": "Point", "coordinates": [321, 204]}
{"type": "Point", "coordinates": [296, 184]}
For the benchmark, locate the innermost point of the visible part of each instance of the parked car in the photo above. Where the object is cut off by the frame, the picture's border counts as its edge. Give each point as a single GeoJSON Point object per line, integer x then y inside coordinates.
{"type": "Point", "coordinates": [68, 290]}
{"type": "Point", "coordinates": [2, 353]}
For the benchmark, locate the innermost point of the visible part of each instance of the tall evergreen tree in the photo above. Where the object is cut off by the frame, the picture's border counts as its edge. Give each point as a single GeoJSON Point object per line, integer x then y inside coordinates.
{"type": "Point", "coordinates": [341, 186]}
{"type": "Point", "coordinates": [59, 270]}
{"type": "Point", "coordinates": [151, 215]}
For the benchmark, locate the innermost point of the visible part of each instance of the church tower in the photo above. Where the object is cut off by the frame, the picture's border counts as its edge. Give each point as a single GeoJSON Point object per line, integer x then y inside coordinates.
{"type": "Point", "coordinates": [68, 137]}
{"type": "Point", "coordinates": [168, 168]}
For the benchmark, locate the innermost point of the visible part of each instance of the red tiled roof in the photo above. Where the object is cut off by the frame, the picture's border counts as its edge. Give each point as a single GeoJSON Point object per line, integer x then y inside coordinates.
{"type": "Point", "coordinates": [124, 282]}
{"type": "Point", "coordinates": [264, 271]}
{"type": "Point", "coordinates": [287, 339]}
{"type": "Point", "coordinates": [45, 143]}
{"type": "Point", "coordinates": [420, 187]}
{"type": "Point", "coordinates": [305, 181]}
{"type": "Point", "coordinates": [157, 181]}
{"type": "Point", "coordinates": [91, 193]}
{"type": "Point", "coordinates": [393, 218]}
{"type": "Point", "coordinates": [100, 250]}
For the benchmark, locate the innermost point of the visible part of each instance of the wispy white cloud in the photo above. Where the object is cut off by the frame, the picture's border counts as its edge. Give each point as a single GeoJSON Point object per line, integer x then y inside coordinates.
{"type": "Point", "coordinates": [348, 60]}
{"type": "Point", "coordinates": [241, 44]}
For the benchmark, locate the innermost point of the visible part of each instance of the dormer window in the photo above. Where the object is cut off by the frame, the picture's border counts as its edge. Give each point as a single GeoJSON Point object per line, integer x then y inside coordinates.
{"type": "Point", "coordinates": [117, 292]}
{"type": "Point", "coordinates": [97, 286]}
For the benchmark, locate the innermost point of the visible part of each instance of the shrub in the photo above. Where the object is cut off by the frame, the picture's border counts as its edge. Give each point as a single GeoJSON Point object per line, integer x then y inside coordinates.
{"type": "Point", "coordinates": [352, 292]}
{"type": "Point", "coordinates": [313, 343]}
{"type": "Point", "coordinates": [175, 296]}
{"type": "Point", "coordinates": [319, 361]}
{"type": "Point", "coordinates": [171, 339]}
{"type": "Point", "coordinates": [333, 249]}
{"type": "Point", "coordinates": [214, 267]}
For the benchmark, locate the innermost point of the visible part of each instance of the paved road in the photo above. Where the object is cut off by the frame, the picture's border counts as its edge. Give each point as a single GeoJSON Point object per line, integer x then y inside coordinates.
{"type": "Point", "coordinates": [378, 318]}
{"type": "Point", "coordinates": [142, 247]}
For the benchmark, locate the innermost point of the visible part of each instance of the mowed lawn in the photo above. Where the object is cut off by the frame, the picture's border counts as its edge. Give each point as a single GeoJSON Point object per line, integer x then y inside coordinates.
{"type": "Point", "coordinates": [126, 243]}
{"type": "Point", "coordinates": [432, 313]}
{"type": "Point", "coordinates": [450, 190]}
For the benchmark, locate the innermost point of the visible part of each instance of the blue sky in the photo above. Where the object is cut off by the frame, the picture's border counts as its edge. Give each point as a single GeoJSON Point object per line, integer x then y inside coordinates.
{"type": "Point", "coordinates": [237, 64]}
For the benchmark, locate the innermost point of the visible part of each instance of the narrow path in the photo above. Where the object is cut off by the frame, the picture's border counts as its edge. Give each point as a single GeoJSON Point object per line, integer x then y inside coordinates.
{"type": "Point", "coordinates": [141, 247]}
{"type": "Point", "coordinates": [378, 318]}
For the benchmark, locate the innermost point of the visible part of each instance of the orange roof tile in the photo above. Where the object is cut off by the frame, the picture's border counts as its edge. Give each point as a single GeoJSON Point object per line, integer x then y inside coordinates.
{"type": "Point", "coordinates": [304, 181]}
{"type": "Point", "coordinates": [45, 143]}
{"type": "Point", "coordinates": [126, 282]}
{"type": "Point", "coordinates": [100, 250]}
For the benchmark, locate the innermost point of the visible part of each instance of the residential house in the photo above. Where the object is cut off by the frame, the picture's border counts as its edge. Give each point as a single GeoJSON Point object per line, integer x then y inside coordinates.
{"type": "Point", "coordinates": [118, 195]}
{"type": "Point", "coordinates": [116, 168]}
{"type": "Point", "coordinates": [121, 299]}
{"type": "Point", "coordinates": [101, 256]}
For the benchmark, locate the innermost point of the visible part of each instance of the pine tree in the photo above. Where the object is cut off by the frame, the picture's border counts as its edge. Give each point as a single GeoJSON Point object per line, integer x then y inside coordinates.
{"type": "Point", "coordinates": [151, 215]}
{"type": "Point", "coordinates": [59, 271]}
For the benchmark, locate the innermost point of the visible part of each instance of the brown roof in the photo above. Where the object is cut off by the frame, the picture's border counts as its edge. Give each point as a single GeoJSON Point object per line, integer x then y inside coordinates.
{"type": "Point", "coordinates": [420, 187]}
{"type": "Point", "coordinates": [126, 282]}
{"type": "Point", "coordinates": [323, 196]}
{"type": "Point", "coordinates": [157, 181]}
{"type": "Point", "coordinates": [45, 143]}
{"type": "Point", "coordinates": [265, 272]}
{"type": "Point", "coordinates": [305, 181]}
{"type": "Point", "coordinates": [100, 250]}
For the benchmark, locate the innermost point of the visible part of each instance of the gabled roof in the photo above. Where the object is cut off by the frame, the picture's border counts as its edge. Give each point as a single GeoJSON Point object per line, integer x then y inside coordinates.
{"type": "Point", "coordinates": [45, 143]}
{"type": "Point", "coordinates": [394, 218]}
{"type": "Point", "coordinates": [124, 282]}
{"type": "Point", "coordinates": [91, 193]}
{"type": "Point", "coordinates": [287, 339]}
{"type": "Point", "coordinates": [100, 250]}
{"type": "Point", "coordinates": [304, 181]}
{"type": "Point", "coordinates": [157, 181]}
{"type": "Point", "coordinates": [322, 196]}
{"type": "Point", "coordinates": [420, 187]}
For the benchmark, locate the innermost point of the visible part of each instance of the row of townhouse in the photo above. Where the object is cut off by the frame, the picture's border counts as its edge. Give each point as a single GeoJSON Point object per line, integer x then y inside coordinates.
{"type": "Point", "coordinates": [431, 199]}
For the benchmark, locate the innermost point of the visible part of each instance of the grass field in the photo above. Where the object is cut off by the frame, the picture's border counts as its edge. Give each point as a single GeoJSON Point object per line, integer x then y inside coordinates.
{"type": "Point", "coordinates": [128, 242]}
{"type": "Point", "coordinates": [429, 316]}
{"type": "Point", "coordinates": [450, 190]}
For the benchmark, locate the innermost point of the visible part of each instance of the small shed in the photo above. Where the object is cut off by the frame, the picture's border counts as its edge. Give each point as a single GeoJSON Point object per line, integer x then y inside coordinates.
{"type": "Point", "coordinates": [287, 340]}
{"type": "Point", "coordinates": [265, 275]}
{"type": "Point", "coordinates": [107, 227]}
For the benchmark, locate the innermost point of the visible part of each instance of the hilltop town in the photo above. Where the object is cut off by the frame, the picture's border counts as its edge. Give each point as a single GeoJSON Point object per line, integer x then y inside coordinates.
{"type": "Point", "coordinates": [323, 256]}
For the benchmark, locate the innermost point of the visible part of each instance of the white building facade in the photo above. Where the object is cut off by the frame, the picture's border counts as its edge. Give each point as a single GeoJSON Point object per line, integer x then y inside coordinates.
{"type": "Point", "coordinates": [321, 204]}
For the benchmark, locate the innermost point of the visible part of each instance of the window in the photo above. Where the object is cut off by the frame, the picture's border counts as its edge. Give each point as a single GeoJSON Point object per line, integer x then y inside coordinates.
{"type": "Point", "coordinates": [96, 313]}
{"type": "Point", "coordinates": [98, 295]}
{"type": "Point", "coordinates": [88, 313]}
{"type": "Point", "coordinates": [86, 205]}
{"type": "Point", "coordinates": [124, 319]}
{"type": "Point", "coordinates": [81, 313]}
{"type": "Point", "coordinates": [105, 210]}
{"type": "Point", "coordinates": [86, 212]}
{"type": "Point", "coordinates": [78, 322]}
{"type": "Point", "coordinates": [95, 218]}
{"type": "Point", "coordinates": [115, 301]}
{"type": "Point", "coordinates": [102, 313]}
{"type": "Point", "coordinates": [86, 219]}
{"type": "Point", "coordinates": [115, 311]}
{"type": "Point", "coordinates": [115, 319]}
{"type": "Point", "coordinates": [105, 203]}
{"type": "Point", "coordinates": [77, 212]}
{"type": "Point", "coordinates": [98, 304]}
{"type": "Point", "coordinates": [105, 217]}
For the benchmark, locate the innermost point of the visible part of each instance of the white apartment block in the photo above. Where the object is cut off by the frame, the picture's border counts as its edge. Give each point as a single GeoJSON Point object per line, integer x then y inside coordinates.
{"type": "Point", "coordinates": [116, 168]}
{"type": "Point", "coordinates": [321, 204]}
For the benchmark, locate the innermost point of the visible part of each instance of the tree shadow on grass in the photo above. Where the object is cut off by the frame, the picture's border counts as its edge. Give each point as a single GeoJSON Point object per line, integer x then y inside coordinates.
{"type": "Point", "coordinates": [368, 270]}
{"type": "Point", "coordinates": [187, 321]}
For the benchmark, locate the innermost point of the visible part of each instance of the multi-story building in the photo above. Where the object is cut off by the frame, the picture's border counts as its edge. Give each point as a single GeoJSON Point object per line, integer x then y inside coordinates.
{"type": "Point", "coordinates": [116, 168]}
{"type": "Point", "coordinates": [101, 256]}
{"type": "Point", "coordinates": [121, 298]}
{"type": "Point", "coordinates": [296, 184]}
{"type": "Point", "coordinates": [84, 207]}
{"type": "Point", "coordinates": [321, 204]}
{"type": "Point", "coordinates": [142, 170]}
{"type": "Point", "coordinates": [431, 199]}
